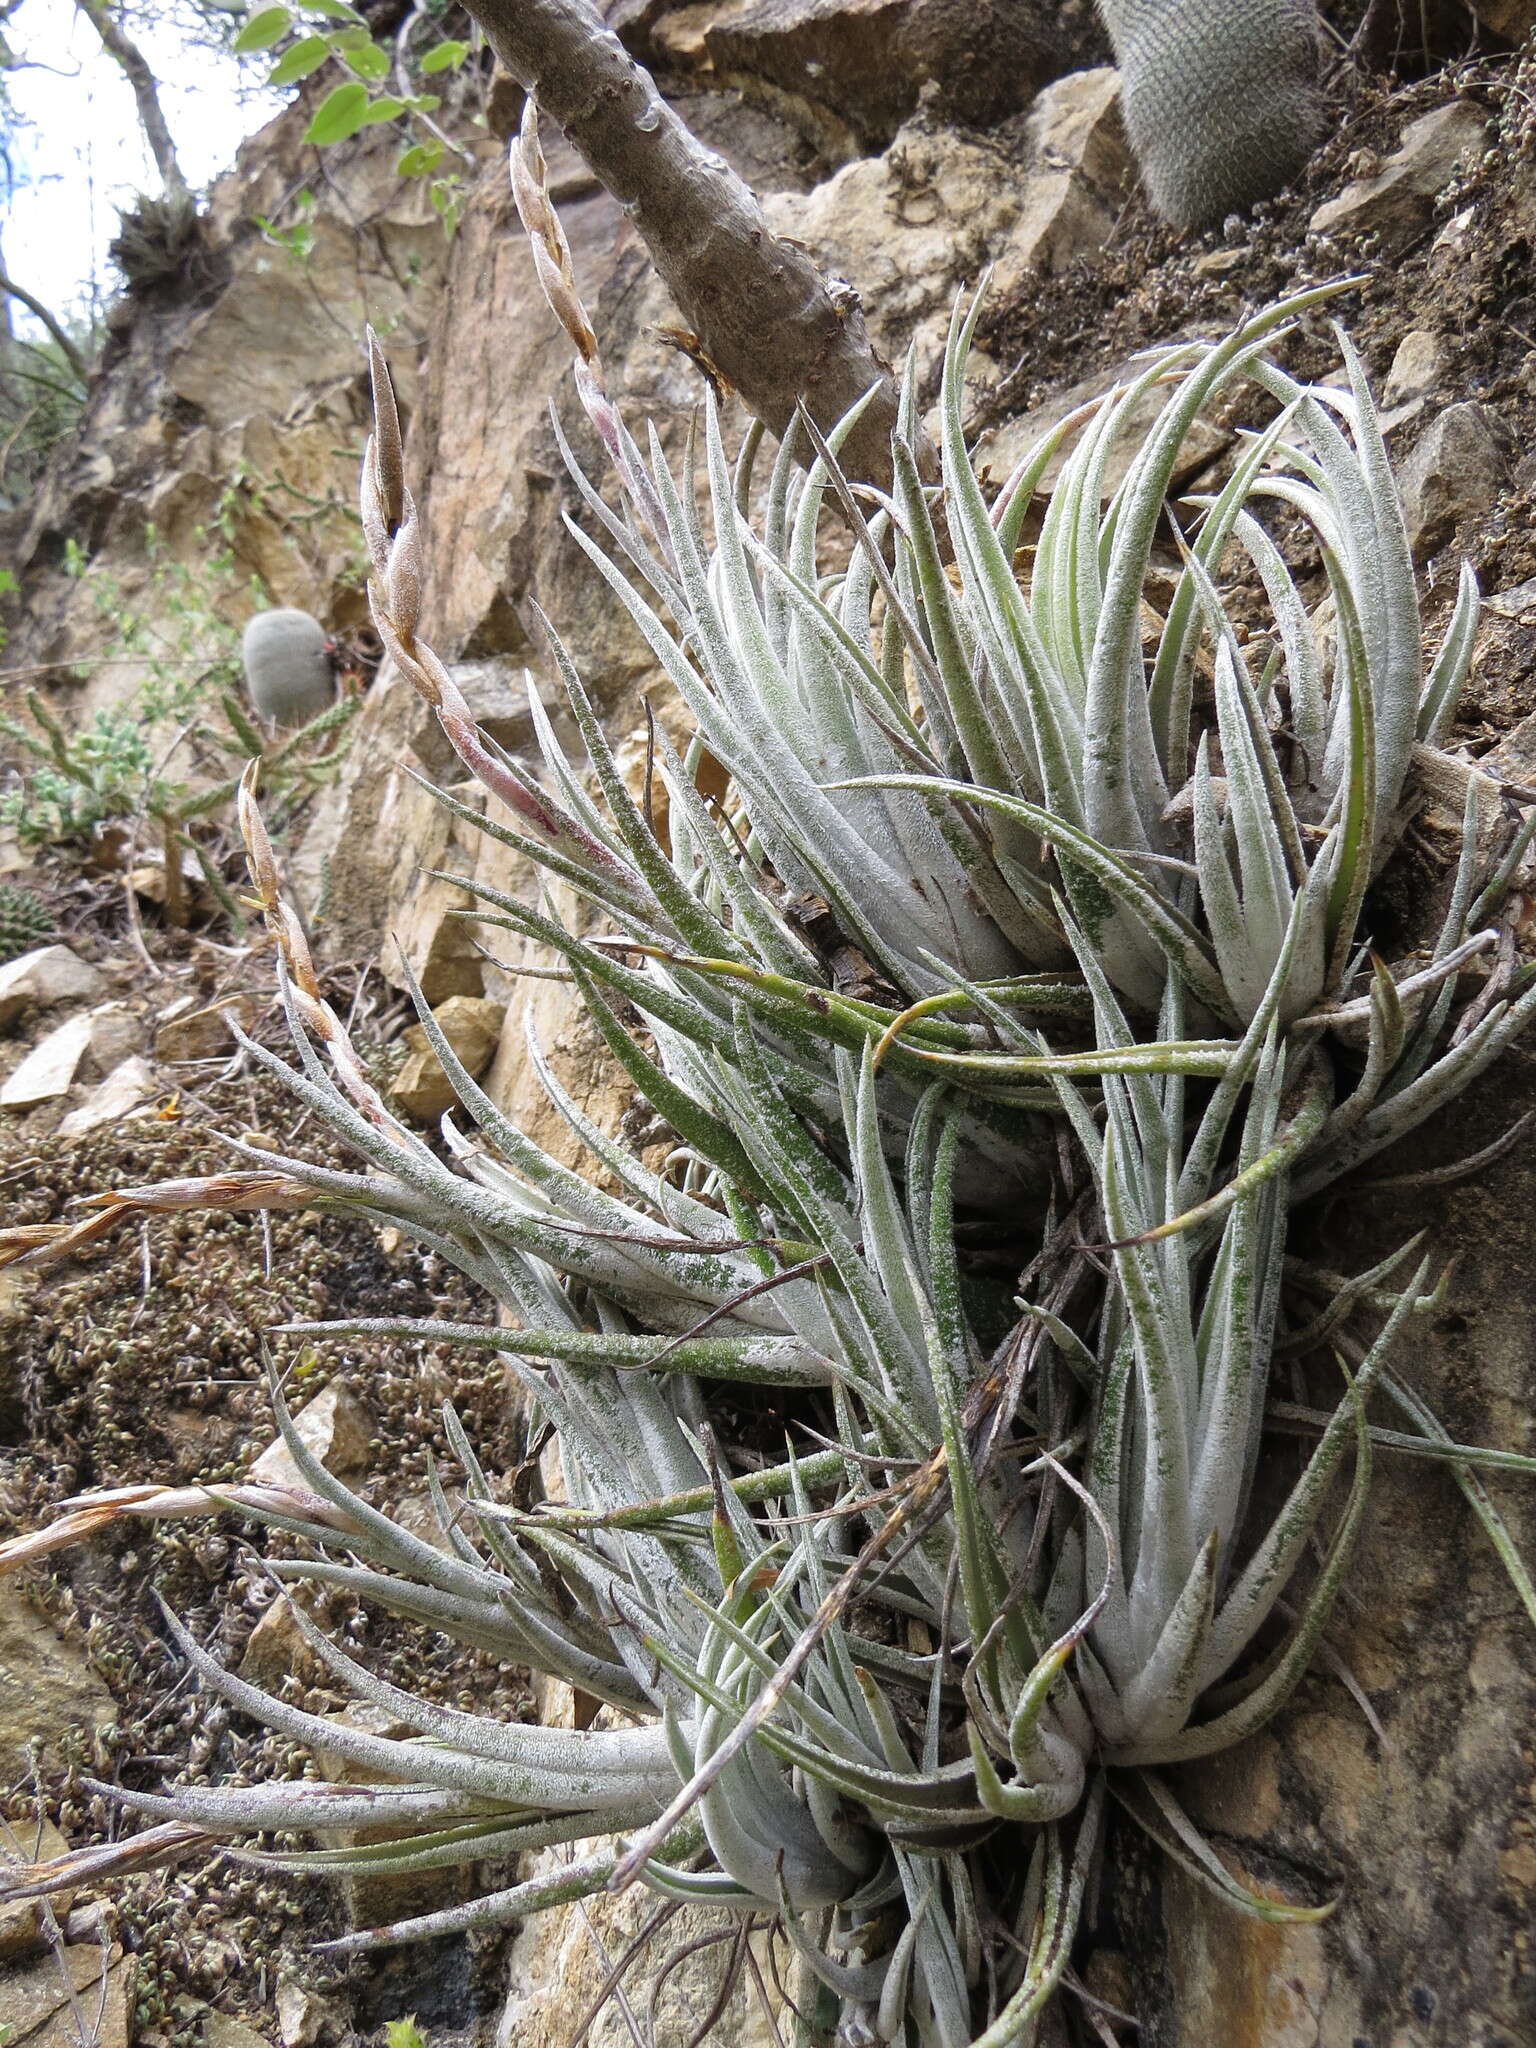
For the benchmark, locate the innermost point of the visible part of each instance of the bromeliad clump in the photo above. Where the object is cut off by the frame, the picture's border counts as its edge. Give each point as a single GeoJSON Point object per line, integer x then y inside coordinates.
{"type": "Point", "coordinates": [1105, 907]}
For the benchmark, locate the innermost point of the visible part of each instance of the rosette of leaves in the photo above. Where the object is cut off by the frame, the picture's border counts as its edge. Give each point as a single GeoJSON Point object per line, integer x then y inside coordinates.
{"type": "Point", "coordinates": [784, 1744]}
{"type": "Point", "coordinates": [877, 1689]}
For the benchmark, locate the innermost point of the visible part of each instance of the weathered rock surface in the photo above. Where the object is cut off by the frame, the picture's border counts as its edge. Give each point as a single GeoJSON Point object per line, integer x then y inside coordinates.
{"type": "Point", "coordinates": [335, 1427]}
{"type": "Point", "coordinates": [223, 2030]}
{"type": "Point", "coordinates": [22, 1924]}
{"type": "Point", "coordinates": [1510, 18]}
{"type": "Point", "coordinates": [1429, 1840]}
{"type": "Point", "coordinates": [912, 224]}
{"type": "Point", "coordinates": [1453, 473]}
{"type": "Point", "coordinates": [117, 1032]}
{"type": "Point", "coordinates": [1396, 200]}
{"type": "Point", "coordinates": [1415, 370]}
{"type": "Point", "coordinates": [559, 1961]}
{"type": "Point", "coordinates": [41, 2004]}
{"type": "Point", "coordinates": [43, 977]}
{"type": "Point", "coordinates": [188, 1029]}
{"type": "Point", "coordinates": [472, 1027]}
{"type": "Point", "coordinates": [47, 1691]}
{"type": "Point", "coordinates": [48, 1071]}
{"type": "Point", "coordinates": [127, 1088]}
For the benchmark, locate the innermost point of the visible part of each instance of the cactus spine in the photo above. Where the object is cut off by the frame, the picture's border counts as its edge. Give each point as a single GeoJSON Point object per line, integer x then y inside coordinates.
{"type": "Point", "coordinates": [1221, 98]}
{"type": "Point", "coordinates": [25, 921]}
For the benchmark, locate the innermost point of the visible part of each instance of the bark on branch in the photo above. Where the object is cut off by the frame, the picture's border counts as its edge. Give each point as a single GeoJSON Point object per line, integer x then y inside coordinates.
{"type": "Point", "coordinates": [765, 315]}
{"type": "Point", "coordinates": [39, 311]}
{"type": "Point", "coordinates": [146, 93]}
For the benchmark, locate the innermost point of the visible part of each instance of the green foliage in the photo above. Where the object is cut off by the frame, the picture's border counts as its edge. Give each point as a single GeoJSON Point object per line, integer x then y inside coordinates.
{"type": "Point", "coordinates": [330, 33]}
{"type": "Point", "coordinates": [172, 753]}
{"type": "Point", "coordinates": [25, 920]}
{"type": "Point", "coordinates": [297, 240]}
{"type": "Point", "coordinates": [101, 771]}
{"type": "Point", "coordinates": [404, 2034]}
{"type": "Point", "coordinates": [41, 399]}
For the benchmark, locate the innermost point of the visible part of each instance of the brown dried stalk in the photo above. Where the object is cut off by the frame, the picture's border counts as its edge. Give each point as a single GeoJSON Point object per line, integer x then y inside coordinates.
{"type": "Point", "coordinates": [38, 1244]}
{"type": "Point", "coordinates": [84, 1513]}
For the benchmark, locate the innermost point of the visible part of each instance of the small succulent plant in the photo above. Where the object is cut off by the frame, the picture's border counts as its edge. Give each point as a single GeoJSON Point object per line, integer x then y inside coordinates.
{"type": "Point", "coordinates": [25, 920]}
{"type": "Point", "coordinates": [995, 902]}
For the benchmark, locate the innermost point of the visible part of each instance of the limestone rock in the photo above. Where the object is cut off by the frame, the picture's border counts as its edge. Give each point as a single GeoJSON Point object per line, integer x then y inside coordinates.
{"type": "Point", "coordinates": [558, 1962]}
{"type": "Point", "coordinates": [117, 1032]}
{"type": "Point", "coordinates": [22, 1920]}
{"type": "Point", "coordinates": [47, 975]}
{"type": "Point", "coordinates": [1509, 18]}
{"type": "Point", "coordinates": [48, 1071]}
{"type": "Point", "coordinates": [1426, 1839]}
{"type": "Point", "coordinates": [472, 1026]}
{"type": "Point", "coordinates": [911, 224]}
{"type": "Point", "coordinates": [126, 1088]}
{"type": "Point", "coordinates": [190, 1030]}
{"type": "Point", "coordinates": [429, 938]}
{"type": "Point", "coordinates": [1397, 200]}
{"type": "Point", "coordinates": [582, 1062]}
{"type": "Point", "coordinates": [842, 57]}
{"type": "Point", "coordinates": [223, 2030]}
{"type": "Point", "coordinates": [301, 2015]}
{"type": "Point", "coordinates": [496, 691]}
{"type": "Point", "coordinates": [856, 68]}
{"type": "Point", "coordinates": [335, 1427]}
{"type": "Point", "coordinates": [1416, 368]}
{"type": "Point", "coordinates": [39, 2003]}
{"type": "Point", "coordinates": [1453, 473]}
{"type": "Point", "coordinates": [275, 1650]}
{"type": "Point", "coordinates": [258, 345]}
{"type": "Point", "coordinates": [46, 1688]}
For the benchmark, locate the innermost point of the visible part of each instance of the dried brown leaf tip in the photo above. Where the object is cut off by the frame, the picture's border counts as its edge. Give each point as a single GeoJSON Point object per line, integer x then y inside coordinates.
{"type": "Point", "coordinates": [551, 251]}
{"type": "Point", "coordinates": [388, 464]}
{"type": "Point", "coordinates": [315, 1013]}
{"type": "Point", "coordinates": [86, 1514]}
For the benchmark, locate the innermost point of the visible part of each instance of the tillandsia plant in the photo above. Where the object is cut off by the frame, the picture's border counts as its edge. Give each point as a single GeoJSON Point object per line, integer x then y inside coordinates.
{"type": "Point", "coordinates": [1001, 896]}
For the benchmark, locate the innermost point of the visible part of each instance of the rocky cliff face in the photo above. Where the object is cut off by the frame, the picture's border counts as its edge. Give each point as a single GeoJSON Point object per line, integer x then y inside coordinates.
{"type": "Point", "coordinates": [911, 143]}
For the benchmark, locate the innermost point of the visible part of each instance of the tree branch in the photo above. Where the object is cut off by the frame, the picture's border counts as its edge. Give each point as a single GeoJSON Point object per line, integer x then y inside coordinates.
{"type": "Point", "coordinates": [146, 93]}
{"type": "Point", "coordinates": [39, 311]}
{"type": "Point", "coordinates": [765, 315]}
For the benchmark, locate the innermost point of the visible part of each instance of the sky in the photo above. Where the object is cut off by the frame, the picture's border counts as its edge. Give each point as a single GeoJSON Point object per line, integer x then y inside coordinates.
{"type": "Point", "coordinates": [80, 152]}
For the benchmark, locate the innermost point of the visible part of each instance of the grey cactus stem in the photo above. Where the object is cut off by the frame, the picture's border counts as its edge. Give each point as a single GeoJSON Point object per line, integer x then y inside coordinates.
{"type": "Point", "coordinates": [1221, 98]}
{"type": "Point", "coordinates": [288, 673]}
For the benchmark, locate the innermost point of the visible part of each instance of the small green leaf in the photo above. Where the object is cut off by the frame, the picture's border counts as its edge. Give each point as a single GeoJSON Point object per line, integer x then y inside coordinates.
{"type": "Point", "coordinates": [268, 25]}
{"type": "Point", "coordinates": [340, 114]}
{"type": "Point", "coordinates": [424, 103]}
{"type": "Point", "coordinates": [383, 109]}
{"type": "Point", "coordinates": [444, 57]}
{"type": "Point", "coordinates": [368, 61]}
{"type": "Point", "coordinates": [299, 60]}
{"type": "Point", "coordinates": [404, 2033]}
{"type": "Point", "coordinates": [333, 10]}
{"type": "Point", "coordinates": [420, 160]}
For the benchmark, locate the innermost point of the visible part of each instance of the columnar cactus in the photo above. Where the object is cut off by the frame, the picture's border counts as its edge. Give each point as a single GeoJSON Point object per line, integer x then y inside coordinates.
{"type": "Point", "coordinates": [1221, 98]}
